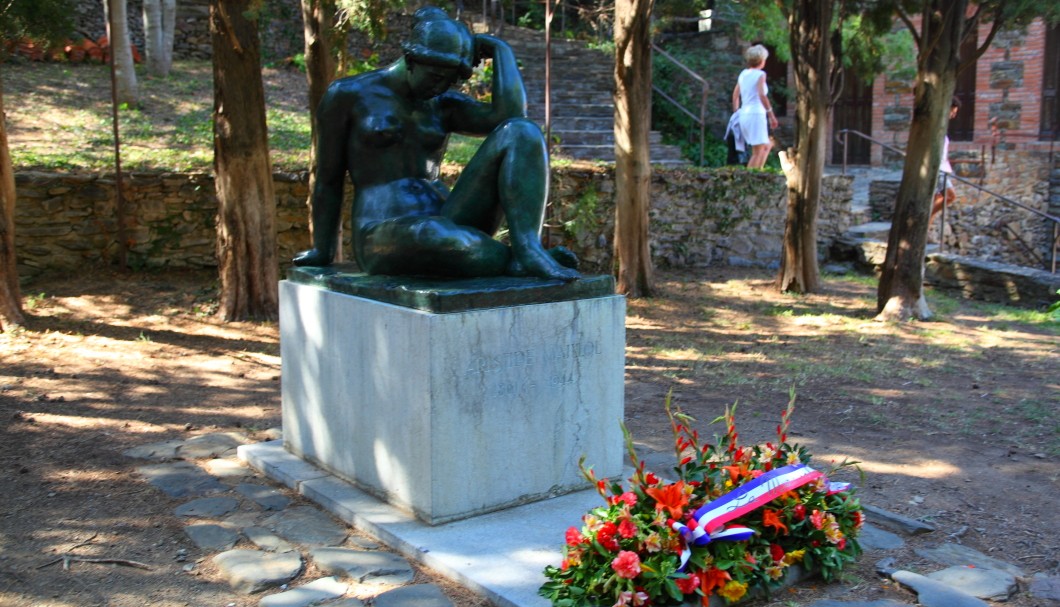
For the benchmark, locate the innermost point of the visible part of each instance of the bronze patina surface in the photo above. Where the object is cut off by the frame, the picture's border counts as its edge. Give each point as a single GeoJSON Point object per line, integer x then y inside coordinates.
{"type": "Point", "coordinates": [444, 296]}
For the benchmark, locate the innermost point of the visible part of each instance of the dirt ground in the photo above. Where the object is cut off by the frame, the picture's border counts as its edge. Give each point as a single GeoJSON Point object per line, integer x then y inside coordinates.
{"type": "Point", "coordinates": [956, 422]}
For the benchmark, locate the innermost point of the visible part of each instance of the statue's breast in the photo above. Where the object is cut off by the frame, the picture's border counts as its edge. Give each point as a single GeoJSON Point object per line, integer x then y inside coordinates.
{"type": "Point", "coordinates": [381, 130]}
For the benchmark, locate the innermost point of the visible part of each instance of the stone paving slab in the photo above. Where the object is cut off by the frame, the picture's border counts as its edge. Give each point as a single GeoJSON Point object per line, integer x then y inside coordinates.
{"type": "Point", "coordinates": [307, 525]}
{"type": "Point", "coordinates": [1045, 587]}
{"type": "Point", "coordinates": [958, 555]}
{"type": "Point", "coordinates": [419, 595]}
{"type": "Point", "coordinates": [930, 593]}
{"type": "Point", "coordinates": [210, 537]}
{"type": "Point", "coordinates": [207, 507]}
{"type": "Point", "coordinates": [500, 555]}
{"type": "Point", "coordinates": [250, 571]}
{"type": "Point", "coordinates": [880, 603]}
{"type": "Point", "coordinates": [874, 538]}
{"type": "Point", "coordinates": [306, 595]}
{"type": "Point", "coordinates": [989, 584]}
{"type": "Point", "coordinates": [363, 566]}
{"type": "Point", "coordinates": [180, 479]}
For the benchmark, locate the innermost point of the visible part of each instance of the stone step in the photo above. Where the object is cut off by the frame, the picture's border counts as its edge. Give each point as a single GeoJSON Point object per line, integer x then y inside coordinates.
{"type": "Point", "coordinates": [660, 154]}
{"type": "Point", "coordinates": [597, 137]}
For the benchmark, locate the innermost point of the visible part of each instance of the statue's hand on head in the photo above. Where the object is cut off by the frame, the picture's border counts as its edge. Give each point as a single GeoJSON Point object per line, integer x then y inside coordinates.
{"type": "Point", "coordinates": [312, 257]}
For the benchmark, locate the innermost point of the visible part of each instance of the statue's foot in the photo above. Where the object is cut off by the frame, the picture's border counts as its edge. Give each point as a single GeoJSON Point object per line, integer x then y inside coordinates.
{"type": "Point", "coordinates": [544, 264]}
{"type": "Point", "coordinates": [565, 257]}
{"type": "Point", "coordinates": [312, 257]}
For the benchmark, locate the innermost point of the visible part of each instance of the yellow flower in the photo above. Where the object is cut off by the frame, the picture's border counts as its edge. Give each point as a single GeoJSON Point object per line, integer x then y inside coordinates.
{"type": "Point", "coordinates": [653, 543]}
{"type": "Point", "coordinates": [793, 458]}
{"type": "Point", "coordinates": [733, 591]}
{"type": "Point", "coordinates": [795, 556]}
{"type": "Point", "coordinates": [775, 571]}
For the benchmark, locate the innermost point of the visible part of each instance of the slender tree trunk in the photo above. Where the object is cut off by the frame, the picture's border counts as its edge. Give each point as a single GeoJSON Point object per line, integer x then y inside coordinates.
{"type": "Point", "coordinates": [318, 18]}
{"type": "Point", "coordinates": [117, 15]}
{"type": "Point", "coordinates": [809, 23]}
{"type": "Point", "coordinates": [152, 11]}
{"type": "Point", "coordinates": [10, 295]}
{"type": "Point", "coordinates": [169, 31]}
{"type": "Point", "coordinates": [632, 159]}
{"type": "Point", "coordinates": [900, 295]}
{"type": "Point", "coordinates": [159, 24]}
{"type": "Point", "coordinates": [246, 226]}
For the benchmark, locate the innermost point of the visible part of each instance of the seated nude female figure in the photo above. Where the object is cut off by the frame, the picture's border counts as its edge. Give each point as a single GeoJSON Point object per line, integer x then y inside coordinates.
{"type": "Point", "coordinates": [388, 130]}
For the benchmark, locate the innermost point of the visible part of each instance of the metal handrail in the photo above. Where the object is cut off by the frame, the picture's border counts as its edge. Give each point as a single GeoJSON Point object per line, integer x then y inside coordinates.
{"type": "Point", "coordinates": [704, 87]}
{"type": "Point", "coordinates": [843, 135]}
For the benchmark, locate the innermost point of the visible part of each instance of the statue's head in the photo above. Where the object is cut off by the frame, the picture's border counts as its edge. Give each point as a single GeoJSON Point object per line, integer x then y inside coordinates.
{"type": "Point", "coordinates": [439, 41]}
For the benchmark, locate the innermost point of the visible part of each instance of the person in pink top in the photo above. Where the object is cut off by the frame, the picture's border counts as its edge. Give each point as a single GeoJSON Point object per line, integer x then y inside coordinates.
{"type": "Point", "coordinates": [750, 99]}
{"type": "Point", "coordinates": [944, 192]}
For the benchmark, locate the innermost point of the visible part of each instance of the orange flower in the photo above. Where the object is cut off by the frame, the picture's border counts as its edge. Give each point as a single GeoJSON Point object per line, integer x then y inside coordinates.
{"type": "Point", "coordinates": [771, 518]}
{"type": "Point", "coordinates": [735, 472]}
{"type": "Point", "coordinates": [671, 498]}
{"type": "Point", "coordinates": [709, 580]}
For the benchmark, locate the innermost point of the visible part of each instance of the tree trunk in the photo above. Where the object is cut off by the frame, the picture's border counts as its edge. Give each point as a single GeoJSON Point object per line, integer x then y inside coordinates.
{"type": "Point", "coordinates": [900, 295]}
{"type": "Point", "coordinates": [318, 17]}
{"type": "Point", "coordinates": [117, 16]}
{"type": "Point", "coordinates": [246, 226]}
{"type": "Point", "coordinates": [159, 23]}
{"type": "Point", "coordinates": [10, 295]}
{"type": "Point", "coordinates": [809, 23]}
{"type": "Point", "coordinates": [632, 159]}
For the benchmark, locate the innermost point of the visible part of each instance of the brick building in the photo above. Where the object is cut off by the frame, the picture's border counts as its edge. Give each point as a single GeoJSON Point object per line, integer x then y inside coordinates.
{"type": "Point", "coordinates": [1006, 139]}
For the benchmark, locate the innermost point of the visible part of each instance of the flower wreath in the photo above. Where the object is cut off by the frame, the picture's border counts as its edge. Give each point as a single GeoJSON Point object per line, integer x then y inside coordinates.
{"type": "Point", "coordinates": [735, 520]}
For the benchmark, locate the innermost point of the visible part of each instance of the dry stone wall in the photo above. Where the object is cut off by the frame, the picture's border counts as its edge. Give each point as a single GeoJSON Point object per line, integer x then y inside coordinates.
{"type": "Point", "coordinates": [982, 226]}
{"type": "Point", "coordinates": [698, 217]}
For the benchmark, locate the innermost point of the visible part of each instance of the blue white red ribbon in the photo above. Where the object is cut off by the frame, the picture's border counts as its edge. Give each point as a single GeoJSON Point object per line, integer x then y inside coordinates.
{"type": "Point", "coordinates": [709, 520]}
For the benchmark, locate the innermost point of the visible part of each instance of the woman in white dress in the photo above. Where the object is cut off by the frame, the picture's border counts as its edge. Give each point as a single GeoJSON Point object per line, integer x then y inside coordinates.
{"type": "Point", "coordinates": [750, 99]}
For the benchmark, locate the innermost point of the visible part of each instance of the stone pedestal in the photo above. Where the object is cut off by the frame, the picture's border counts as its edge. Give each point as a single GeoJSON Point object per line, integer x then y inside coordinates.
{"type": "Point", "coordinates": [459, 413]}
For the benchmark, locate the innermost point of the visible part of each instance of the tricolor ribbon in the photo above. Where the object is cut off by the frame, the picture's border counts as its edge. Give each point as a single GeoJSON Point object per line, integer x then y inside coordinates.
{"type": "Point", "coordinates": [709, 520]}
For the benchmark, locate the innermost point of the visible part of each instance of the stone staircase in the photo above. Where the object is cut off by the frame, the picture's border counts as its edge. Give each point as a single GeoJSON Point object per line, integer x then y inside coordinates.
{"type": "Point", "coordinates": [582, 108]}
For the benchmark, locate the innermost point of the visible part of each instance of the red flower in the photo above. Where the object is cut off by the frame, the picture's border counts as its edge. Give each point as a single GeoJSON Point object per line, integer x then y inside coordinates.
{"type": "Point", "coordinates": [776, 552]}
{"type": "Point", "coordinates": [671, 498]}
{"type": "Point", "coordinates": [651, 479]}
{"type": "Point", "coordinates": [859, 520]}
{"type": "Point", "coordinates": [606, 536]}
{"type": "Point", "coordinates": [574, 537]}
{"type": "Point", "coordinates": [626, 564]}
{"type": "Point", "coordinates": [627, 529]}
{"type": "Point", "coordinates": [688, 585]}
{"type": "Point", "coordinates": [799, 511]}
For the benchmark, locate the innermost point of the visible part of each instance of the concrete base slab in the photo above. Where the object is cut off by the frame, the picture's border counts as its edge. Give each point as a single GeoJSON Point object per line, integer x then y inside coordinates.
{"type": "Point", "coordinates": [501, 555]}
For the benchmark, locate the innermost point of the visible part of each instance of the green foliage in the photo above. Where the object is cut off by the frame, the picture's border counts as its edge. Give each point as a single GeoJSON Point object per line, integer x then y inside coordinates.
{"type": "Point", "coordinates": [1054, 309]}
{"type": "Point", "coordinates": [44, 20]}
{"type": "Point", "coordinates": [869, 50]}
{"type": "Point", "coordinates": [368, 16]}
{"type": "Point", "coordinates": [461, 148]}
{"type": "Point", "coordinates": [724, 200]}
{"type": "Point", "coordinates": [360, 66]}
{"type": "Point", "coordinates": [678, 127]}
{"type": "Point", "coordinates": [583, 216]}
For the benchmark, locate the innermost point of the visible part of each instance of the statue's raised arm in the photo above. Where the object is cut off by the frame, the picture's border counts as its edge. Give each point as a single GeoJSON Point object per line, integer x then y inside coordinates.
{"type": "Point", "coordinates": [387, 129]}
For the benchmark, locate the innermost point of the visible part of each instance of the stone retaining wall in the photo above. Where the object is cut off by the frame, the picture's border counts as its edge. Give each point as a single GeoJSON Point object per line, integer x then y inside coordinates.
{"type": "Point", "coordinates": [983, 226]}
{"type": "Point", "coordinates": [698, 217]}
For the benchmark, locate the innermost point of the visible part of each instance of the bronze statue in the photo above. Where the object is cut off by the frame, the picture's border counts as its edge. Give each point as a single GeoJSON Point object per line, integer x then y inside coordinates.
{"type": "Point", "coordinates": [388, 129]}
